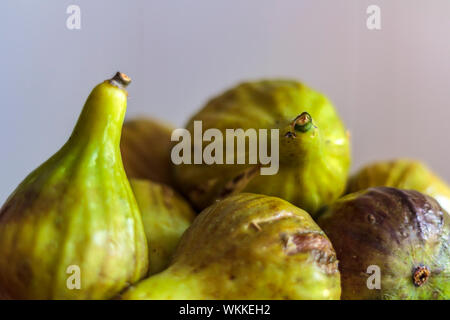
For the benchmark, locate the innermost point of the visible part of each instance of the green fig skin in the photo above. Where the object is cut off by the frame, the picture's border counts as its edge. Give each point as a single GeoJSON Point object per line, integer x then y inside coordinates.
{"type": "Point", "coordinates": [248, 246]}
{"type": "Point", "coordinates": [145, 147]}
{"type": "Point", "coordinates": [166, 215]}
{"type": "Point", "coordinates": [76, 209]}
{"type": "Point", "coordinates": [313, 160]}
{"type": "Point", "coordinates": [402, 174]}
{"type": "Point", "coordinates": [400, 231]}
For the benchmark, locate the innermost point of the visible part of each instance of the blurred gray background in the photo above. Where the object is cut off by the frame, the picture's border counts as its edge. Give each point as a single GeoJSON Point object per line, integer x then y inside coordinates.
{"type": "Point", "coordinates": [391, 86]}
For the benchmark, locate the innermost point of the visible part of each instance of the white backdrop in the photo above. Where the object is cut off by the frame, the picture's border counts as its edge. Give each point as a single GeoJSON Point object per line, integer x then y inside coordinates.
{"type": "Point", "coordinates": [391, 86]}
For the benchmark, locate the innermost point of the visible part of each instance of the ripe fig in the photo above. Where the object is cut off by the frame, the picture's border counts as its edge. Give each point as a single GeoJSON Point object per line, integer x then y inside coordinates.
{"type": "Point", "coordinates": [166, 215]}
{"type": "Point", "coordinates": [145, 147]}
{"type": "Point", "coordinates": [402, 174]}
{"type": "Point", "coordinates": [391, 244]}
{"type": "Point", "coordinates": [248, 246]}
{"type": "Point", "coordinates": [72, 229]}
{"type": "Point", "coordinates": [314, 153]}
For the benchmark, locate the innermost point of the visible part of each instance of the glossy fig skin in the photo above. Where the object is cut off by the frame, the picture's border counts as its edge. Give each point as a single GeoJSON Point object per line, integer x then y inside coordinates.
{"type": "Point", "coordinates": [402, 174]}
{"type": "Point", "coordinates": [313, 163]}
{"type": "Point", "coordinates": [165, 215]}
{"type": "Point", "coordinates": [248, 246]}
{"type": "Point", "coordinates": [76, 209]}
{"type": "Point", "coordinates": [145, 147]}
{"type": "Point", "coordinates": [400, 231]}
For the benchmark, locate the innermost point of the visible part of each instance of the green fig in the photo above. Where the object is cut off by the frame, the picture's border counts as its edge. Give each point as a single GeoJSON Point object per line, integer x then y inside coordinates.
{"type": "Point", "coordinates": [248, 246]}
{"type": "Point", "coordinates": [402, 174]}
{"type": "Point", "coordinates": [72, 229]}
{"type": "Point", "coordinates": [145, 147]}
{"type": "Point", "coordinates": [166, 215]}
{"type": "Point", "coordinates": [314, 153]}
{"type": "Point", "coordinates": [391, 244]}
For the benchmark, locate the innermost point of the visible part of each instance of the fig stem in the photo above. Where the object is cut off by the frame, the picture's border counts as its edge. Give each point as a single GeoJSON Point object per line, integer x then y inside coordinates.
{"type": "Point", "coordinates": [421, 275]}
{"type": "Point", "coordinates": [120, 80]}
{"type": "Point", "coordinates": [303, 122]}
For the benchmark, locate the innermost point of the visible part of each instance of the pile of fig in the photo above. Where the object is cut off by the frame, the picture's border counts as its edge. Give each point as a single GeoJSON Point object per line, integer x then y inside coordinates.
{"type": "Point", "coordinates": [112, 214]}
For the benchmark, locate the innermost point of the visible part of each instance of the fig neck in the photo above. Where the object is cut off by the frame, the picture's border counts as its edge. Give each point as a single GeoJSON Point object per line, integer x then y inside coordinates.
{"type": "Point", "coordinates": [300, 141]}
{"type": "Point", "coordinates": [101, 120]}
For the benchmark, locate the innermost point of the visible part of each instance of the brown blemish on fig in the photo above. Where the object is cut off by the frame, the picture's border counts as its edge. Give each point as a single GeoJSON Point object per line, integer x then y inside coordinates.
{"type": "Point", "coordinates": [24, 273]}
{"type": "Point", "coordinates": [420, 275]}
{"type": "Point", "coordinates": [5, 208]}
{"type": "Point", "coordinates": [238, 178]}
{"type": "Point", "coordinates": [313, 242]}
{"type": "Point", "coordinates": [239, 182]}
{"type": "Point", "coordinates": [17, 206]}
{"type": "Point", "coordinates": [424, 211]}
{"type": "Point", "coordinates": [290, 134]}
{"type": "Point", "coordinates": [255, 225]}
{"type": "Point", "coordinates": [302, 242]}
{"type": "Point", "coordinates": [168, 195]}
{"type": "Point", "coordinates": [199, 191]}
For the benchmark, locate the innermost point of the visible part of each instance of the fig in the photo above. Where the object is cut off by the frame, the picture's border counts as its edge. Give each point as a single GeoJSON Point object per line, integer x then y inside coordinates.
{"type": "Point", "coordinates": [166, 215]}
{"type": "Point", "coordinates": [391, 244]}
{"type": "Point", "coordinates": [72, 229]}
{"type": "Point", "coordinates": [314, 153]}
{"type": "Point", "coordinates": [145, 147]}
{"type": "Point", "coordinates": [247, 246]}
{"type": "Point", "coordinates": [402, 174]}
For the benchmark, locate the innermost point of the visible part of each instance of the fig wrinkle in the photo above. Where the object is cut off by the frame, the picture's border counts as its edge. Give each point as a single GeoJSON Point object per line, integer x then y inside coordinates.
{"type": "Point", "coordinates": [281, 215]}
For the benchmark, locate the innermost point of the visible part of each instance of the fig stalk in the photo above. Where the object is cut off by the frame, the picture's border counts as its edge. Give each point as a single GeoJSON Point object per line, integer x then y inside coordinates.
{"type": "Point", "coordinates": [303, 122]}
